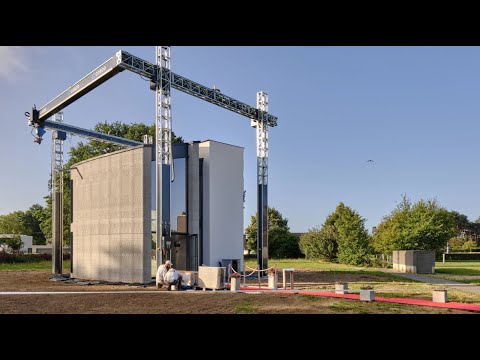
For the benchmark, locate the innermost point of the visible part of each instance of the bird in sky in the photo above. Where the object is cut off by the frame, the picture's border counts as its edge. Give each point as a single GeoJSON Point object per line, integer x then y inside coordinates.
{"type": "Point", "coordinates": [369, 161]}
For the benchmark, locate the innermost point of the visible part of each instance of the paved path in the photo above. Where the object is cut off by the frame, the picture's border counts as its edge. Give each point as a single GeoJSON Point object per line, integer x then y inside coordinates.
{"type": "Point", "coordinates": [433, 280]}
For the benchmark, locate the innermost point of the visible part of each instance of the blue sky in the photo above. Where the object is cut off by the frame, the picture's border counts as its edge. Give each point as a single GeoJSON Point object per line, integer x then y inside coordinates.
{"type": "Point", "coordinates": [415, 111]}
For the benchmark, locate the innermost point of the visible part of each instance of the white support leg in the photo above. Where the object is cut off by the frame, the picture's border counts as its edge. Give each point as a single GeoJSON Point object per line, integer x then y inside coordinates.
{"type": "Point", "coordinates": [262, 181]}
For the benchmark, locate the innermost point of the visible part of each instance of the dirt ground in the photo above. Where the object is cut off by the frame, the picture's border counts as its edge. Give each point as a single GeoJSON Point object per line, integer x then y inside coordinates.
{"type": "Point", "coordinates": [143, 301]}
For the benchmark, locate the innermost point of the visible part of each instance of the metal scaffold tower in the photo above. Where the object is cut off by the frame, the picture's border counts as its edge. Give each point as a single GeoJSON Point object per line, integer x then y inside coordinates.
{"type": "Point", "coordinates": [262, 180]}
{"type": "Point", "coordinates": [163, 161]}
{"type": "Point", "coordinates": [57, 196]}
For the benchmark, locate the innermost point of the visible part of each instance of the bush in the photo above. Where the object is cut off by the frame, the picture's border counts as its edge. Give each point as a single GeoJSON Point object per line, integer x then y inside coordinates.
{"type": "Point", "coordinates": [320, 243]}
{"type": "Point", "coordinates": [14, 244]}
{"type": "Point", "coordinates": [462, 256]}
{"type": "Point", "coordinates": [423, 225]}
{"type": "Point", "coordinates": [456, 243]}
{"type": "Point", "coordinates": [469, 245]}
{"type": "Point", "coordinates": [7, 258]}
{"type": "Point", "coordinates": [476, 249]}
{"type": "Point", "coordinates": [378, 261]}
{"type": "Point", "coordinates": [283, 245]}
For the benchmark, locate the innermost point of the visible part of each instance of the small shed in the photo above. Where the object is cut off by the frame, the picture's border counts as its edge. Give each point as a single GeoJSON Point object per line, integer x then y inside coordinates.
{"type": "Point", "coordinates": [414, 261]}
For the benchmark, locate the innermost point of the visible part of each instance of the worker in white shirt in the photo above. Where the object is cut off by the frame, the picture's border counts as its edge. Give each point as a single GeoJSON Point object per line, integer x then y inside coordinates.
{"type": "Point", "coordinates": [172, 277]}
{"type": "Point", "coordinates": [161, 271]}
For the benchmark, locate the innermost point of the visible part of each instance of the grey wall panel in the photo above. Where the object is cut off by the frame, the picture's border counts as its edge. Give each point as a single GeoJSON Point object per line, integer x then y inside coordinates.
{"type": "Point", "coordinates": [111, 226]}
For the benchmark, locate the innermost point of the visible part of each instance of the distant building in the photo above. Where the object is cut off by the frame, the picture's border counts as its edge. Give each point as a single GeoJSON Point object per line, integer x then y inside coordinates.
{"type": "Point", "coordinates": [27, 242]}
{"type": "Point", "coordinates": [47, 249]}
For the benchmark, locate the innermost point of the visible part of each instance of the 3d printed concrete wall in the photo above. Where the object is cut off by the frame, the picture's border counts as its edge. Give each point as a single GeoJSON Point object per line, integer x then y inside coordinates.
{"type": "Point", "coordinates": [111, 217]}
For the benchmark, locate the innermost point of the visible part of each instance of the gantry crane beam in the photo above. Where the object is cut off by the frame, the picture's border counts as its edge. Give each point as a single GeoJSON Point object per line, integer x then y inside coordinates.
{"type": "Point", "coordinates": [91, 134]}
{"type": "Point", "coordinates": [122, 60]}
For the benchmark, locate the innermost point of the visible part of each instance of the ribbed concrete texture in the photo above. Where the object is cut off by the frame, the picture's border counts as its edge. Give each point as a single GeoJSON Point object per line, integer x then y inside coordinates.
{"type": "Point", "coordinates": [111, 217]}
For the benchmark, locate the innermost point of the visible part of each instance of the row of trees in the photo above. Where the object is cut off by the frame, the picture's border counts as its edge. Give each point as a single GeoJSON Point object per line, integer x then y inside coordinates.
{"type": "Point", "coordinates": [24, 223]}
{"type": "Point", "coordinates": [342, 238]}
{"type": "Point", "coordinates": [423, 225]}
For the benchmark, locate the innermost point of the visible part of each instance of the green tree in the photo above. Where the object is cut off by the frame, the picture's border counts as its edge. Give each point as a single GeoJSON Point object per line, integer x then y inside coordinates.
{"type": "Point", "coordinates": [84, 151]}
{"type": "Point", "coordinates": [461, 223]}
{"type": "Point", "coordinates": [24, 223]}
{"type": "Point", "coordinates": [424, 225]}
{"type": "Point", "coordinates": [281, 243]}
{"type": "Point", "coordinates": [457, 243]}
{"type": "Point", "coordinates": [93, 148]}
{"type": "Point", "coordinates": [465, 230]}
{"type": "Point", "coordinates": [13, 223]}
{"type": "Point", "coordinates": [14, 244]}
{"type": "Point", "coordinates": [320, 243]}
{"type": "Point", "coordinates": [353, 239]}
{"type": "Point", "coordinates": [342, 237]}
{"type": "Point", "coordinates": [469, 245]}
{"type": "Point", "coordinates": [32, 221]}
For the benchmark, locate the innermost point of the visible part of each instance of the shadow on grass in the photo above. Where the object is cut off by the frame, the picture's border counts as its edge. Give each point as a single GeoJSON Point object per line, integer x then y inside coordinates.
{"type": "Point", "coordinates": [368, 273]}
{"type": "Point", "coordinates": [458, 271]}
{"type": "Point", "coordinates": [37, 266]}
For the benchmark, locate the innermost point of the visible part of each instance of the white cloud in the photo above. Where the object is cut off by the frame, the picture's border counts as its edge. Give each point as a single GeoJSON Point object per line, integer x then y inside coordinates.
{"type": "Point", "coordinates": [13, 62]}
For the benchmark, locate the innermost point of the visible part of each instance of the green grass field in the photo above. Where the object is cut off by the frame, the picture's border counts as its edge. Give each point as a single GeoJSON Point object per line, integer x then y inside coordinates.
{"type": "Point", "coordinates": [41, 265]}
{"type": "Point", "coordinates": [463, 268]}
{"type": "Point", "coordinates": [387, 284]}
{"type": "Point", "coordinates": [463, 271]}
{"type": "Point", "coordinates": [302, 264]}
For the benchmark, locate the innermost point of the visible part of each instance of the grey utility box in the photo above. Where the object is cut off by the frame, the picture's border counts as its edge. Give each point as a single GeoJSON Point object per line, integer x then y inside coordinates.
{"type": "Point", "coordinates": [414, 261]}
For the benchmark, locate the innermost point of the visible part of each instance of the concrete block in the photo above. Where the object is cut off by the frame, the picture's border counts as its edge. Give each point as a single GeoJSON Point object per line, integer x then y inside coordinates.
{"type": "Point", "coordinates": [367, 295]}
{"type": "Point", "coordinates": [440, 296]}
{"type": "Point", "coordinates": [235, 284]}
{"type": "Point", "coordinates": [272, 280]}
{"type": "Point", "coordinates": [341, 288]}
{"type": "Point", "coordinates": [211, 277]}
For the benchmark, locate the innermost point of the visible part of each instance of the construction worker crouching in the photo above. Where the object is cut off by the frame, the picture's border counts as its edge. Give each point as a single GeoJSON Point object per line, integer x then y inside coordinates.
{"type": "Point", "coordinates": [172, 278]}
{"type": "Point", "coordinates": [161, 272]}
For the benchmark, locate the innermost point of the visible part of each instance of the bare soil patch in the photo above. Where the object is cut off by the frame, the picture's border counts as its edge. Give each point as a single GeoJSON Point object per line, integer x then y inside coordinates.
{"type": "Point", "coordinates": [184, 302]}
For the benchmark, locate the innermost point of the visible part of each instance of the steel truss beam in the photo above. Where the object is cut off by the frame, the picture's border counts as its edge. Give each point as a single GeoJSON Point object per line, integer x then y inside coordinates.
{"type": "Point", "coordinates": [54, 125]}
{"type": "Point", "coordinates": [123, 60]}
